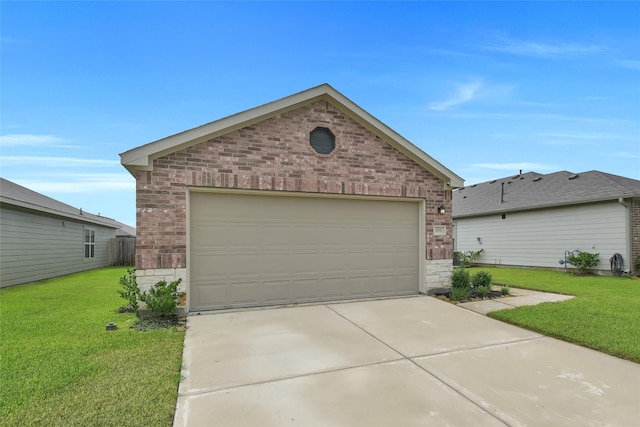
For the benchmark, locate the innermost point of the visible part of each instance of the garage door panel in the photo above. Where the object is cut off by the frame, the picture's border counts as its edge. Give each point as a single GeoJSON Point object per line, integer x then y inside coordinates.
{"type": "Point", "coordinates": [254, 250]}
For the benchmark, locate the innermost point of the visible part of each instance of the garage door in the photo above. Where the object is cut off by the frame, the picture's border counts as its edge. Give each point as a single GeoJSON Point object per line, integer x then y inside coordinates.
{"type": "Point", "coordinates": [250, 250]}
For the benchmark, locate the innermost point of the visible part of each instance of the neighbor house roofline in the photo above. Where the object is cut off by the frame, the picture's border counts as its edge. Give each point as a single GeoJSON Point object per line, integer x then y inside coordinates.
{"type": "Point", "coordinates": [17, 196]}
{"type": "Point", "coordinates": [534, 191]}
{"type": "Point", "coordinates": [141, 158]}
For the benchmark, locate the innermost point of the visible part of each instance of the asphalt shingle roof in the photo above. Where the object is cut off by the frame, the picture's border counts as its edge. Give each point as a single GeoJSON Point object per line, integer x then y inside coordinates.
{"type": "Point", "coordinates": [17, 195]}
{"type": "Point", "coordinates": [532, 190]}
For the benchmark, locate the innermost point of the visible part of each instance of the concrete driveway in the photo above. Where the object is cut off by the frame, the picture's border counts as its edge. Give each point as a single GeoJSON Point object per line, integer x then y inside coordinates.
{"type": "Point", "coordinates": [396, 362]}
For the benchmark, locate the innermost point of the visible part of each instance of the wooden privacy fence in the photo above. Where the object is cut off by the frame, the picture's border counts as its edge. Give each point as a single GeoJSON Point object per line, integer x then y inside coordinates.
{"type": "Point", "coordinates": [123, 251]}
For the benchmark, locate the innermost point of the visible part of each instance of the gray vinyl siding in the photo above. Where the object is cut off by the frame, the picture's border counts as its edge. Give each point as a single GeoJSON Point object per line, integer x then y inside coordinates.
{"type": "Point", "coordinates": [35, 247]}
{"type": "Point", "coordinates": [538, 238]}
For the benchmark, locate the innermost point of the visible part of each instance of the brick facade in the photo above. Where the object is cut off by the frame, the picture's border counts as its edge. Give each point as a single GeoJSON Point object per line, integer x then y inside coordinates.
{"type": "Point", "coordinates": [275, 155]}
{"type": "Point", "coordinates": [635, 235]}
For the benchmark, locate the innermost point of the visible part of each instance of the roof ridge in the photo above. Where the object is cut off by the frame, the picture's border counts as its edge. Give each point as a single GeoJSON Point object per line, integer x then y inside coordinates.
{"type": "Point", "coordinates": [613, 180]}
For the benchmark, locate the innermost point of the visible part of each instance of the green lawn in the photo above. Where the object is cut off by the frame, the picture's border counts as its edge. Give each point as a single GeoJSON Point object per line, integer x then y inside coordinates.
{"type": "Point", "coordinates": [604, 315]}
{"type": "Point", "coordinates": [59, 366]}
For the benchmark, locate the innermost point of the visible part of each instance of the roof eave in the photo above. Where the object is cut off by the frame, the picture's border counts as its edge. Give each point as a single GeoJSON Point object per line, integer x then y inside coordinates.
{"type": "Point", "coordinates": [54, 212]}
{"type": "Point", "coordinates": [547, 206]}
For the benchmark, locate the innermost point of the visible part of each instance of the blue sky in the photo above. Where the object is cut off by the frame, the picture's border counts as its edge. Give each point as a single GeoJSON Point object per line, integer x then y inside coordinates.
{"type": "Point", "coordinates": [486, 88]}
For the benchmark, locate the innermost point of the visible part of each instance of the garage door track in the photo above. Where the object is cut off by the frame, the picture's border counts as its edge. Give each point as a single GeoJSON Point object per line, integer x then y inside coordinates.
{"type": "Point", "coordinates": [394, 362]}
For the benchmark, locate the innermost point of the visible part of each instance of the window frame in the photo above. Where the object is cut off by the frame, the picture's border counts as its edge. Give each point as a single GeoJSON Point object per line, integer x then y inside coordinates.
{"type": "Point", "coordinates": [89, 243]}
{"type": "Point", "coordinates": [331, 138]}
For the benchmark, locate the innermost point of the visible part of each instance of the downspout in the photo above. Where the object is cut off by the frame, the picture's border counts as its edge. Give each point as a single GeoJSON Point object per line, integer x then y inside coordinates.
{"type": "Point", "coordinates": [627, 234]}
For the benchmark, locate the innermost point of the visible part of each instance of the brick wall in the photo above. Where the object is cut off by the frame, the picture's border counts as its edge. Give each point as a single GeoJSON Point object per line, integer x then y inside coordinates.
{"type": "Point", "coordinates": [275, 155]}
{"type": "Point", "coordinates": [635, 234]}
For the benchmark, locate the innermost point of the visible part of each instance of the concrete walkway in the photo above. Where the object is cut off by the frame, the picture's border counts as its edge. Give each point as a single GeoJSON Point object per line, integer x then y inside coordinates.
{"type": "Point", "coordinates": [516, 298]}
{"type": "Point", "coordinates": [394, 362]}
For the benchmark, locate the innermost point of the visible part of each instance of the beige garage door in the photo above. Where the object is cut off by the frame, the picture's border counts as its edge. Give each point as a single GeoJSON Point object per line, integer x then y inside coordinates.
{"type": "Point", "coordinates": [249, 250]}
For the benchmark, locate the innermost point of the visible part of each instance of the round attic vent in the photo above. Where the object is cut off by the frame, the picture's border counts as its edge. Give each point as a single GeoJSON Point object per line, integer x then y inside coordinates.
{"type": "Point", "coordinates": [322, 140]}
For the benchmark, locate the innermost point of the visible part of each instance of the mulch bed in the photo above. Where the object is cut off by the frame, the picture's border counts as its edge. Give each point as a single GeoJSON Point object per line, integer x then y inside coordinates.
{"type": "Point", "coordinates": [147, 323]}
{"type": "Point", "coordinates": [446, 296]}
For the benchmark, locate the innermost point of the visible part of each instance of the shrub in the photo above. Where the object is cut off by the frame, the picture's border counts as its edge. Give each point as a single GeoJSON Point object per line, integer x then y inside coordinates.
{"type": "Point", "coordinates": [481, 283]}
{"type": "Point", "coordinates": [468, 258]}
{"type": "Point", "coordinates": [481, 279]}
{"type": "Point", "coordinates": [460, 279]}
{"type": "Point", "coordinates": [584, 261]}
{"type": "Point", "coordinates": [460, 284]}
{"type": "Point", "coordinates": [162, 298]}
{"type": "Point", "coordinates": [130, 290]}
{"type": "Point", "coordinates": [504, 289]}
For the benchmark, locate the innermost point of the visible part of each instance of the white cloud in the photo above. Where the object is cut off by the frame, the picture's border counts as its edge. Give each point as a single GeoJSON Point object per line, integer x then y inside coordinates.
{"type": "Point", "coordinates": [625, 155]}
{"type": "Point", "coordinates": [31, 140]}
{"type": "Point", "coordinates": [633, 64]}
{"type": "Point", "coordinates": [579, 135]}
{"type": "Point", "coordinates": [56, 162]}
{"type": "Point", "coordinates": [463, 93]}
{"type": "Point", "coordinates": [545, 116]}
{"type": "Point", "coordinates": [541, 50]}
{"type": "Point", "coordinates": [80, 183]}
{"type": "Point", "coordinates": [560, 142]}
{"type": "Point", "coordinates": [514, 166]}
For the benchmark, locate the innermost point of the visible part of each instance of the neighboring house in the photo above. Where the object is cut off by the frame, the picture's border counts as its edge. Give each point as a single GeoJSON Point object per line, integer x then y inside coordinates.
{"type": "Point", "coordinates": [531, 219]}
{"type": "Point", "coordinates": [307, 198]}
{"type": "Point", "coordinates": [42, 238]}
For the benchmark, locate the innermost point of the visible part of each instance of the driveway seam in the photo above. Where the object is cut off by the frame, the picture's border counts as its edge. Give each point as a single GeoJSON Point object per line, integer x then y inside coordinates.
{"type": "Point", "coordinates": [410, 359]}
{"type": "Point", "coordinates": [478, 347]}
{"type": "Point", "coordinates": [309, 374]}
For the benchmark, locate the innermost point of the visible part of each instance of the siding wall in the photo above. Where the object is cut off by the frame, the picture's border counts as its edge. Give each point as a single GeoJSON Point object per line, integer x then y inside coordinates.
{"type": "Point", "coordinates": [539, 238]}
{"type": "Point", "coordinates": [35, 247]}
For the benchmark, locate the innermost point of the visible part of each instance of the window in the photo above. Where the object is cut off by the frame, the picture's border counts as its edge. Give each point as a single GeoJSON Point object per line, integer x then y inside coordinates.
{"type": "Point", "coordinates": [89, 243]}
{"type": "Point", "coordinates": [322, 140]}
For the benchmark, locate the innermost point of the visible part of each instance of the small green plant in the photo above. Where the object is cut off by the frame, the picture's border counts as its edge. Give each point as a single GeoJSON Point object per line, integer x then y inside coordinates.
{"type": "Point", "coordinates": [460, 294]}
{"type": "Point", "coordinates": [481, 283]}
{"type": "Point", "coordinates": [460, 284]}
{"type": "Point", "coordinates": [469, 257]}
{"type": "Point", "coordinates": [482, 291]}
{"type": "Point", "coordinates": [505, 289]}
{"type": "Point", "coordinates": [130, 290]}
{"type": "Point", "coordinates": [162, 298]}
{"type": "Point", "coordinates": [584, 261]}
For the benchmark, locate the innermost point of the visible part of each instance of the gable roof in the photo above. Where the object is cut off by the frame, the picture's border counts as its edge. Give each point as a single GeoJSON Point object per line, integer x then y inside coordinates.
{"type": "Point", "coordinates": [19, 196]}
{"type": "Point", "coordinates": [141, 158]}
{"type": "Point", "coordinates": [532, 190]}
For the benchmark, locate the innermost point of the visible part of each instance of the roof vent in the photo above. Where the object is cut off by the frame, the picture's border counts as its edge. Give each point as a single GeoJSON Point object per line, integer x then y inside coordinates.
{"type": "Point", "coordinates": [508, 182]}
{"type": "Point", "coordinates": [464, 197]}
{"type": "Point", "coordinates": [521, 177]}
{"type": "Point", "coordinates": [473, 185]}
{"type": "Point", "coordinates": [574, 176]}
{"type": "Point", "coordinates": [537, 179]}
{"type": "Point", "coordinates": [493, 181]}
